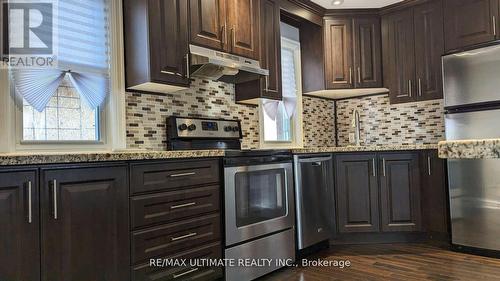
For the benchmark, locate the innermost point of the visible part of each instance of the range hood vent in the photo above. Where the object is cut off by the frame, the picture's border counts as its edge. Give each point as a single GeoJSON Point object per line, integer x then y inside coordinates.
{"type": "Point", "coordinates": [214, 65]}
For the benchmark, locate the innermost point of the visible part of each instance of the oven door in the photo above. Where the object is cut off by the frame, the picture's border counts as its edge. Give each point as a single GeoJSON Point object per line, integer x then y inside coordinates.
{"type": "Point", "coordinates": [259, 201]}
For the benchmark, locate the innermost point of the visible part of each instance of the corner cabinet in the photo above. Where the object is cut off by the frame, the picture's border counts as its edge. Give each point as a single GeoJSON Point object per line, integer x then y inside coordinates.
{"type": "Point", "coordinates": [378, 192]}
{"type": "Point", "coordinates": [270, 58]}
{"type": "Point", "coordinates": [470, 22]}
{"type": "Point", "coordinates": [413, 42]}
{"type": "Point", "coordinates": [352, 52]}
{"type": "Point", "coordinates": [20, 225]}
{"type": "Point", "coordinates": [156, 45]}
{"type": "Point", "coordinates": [84, 214]}
{"type": "Point", "coordinates": [227, 25]}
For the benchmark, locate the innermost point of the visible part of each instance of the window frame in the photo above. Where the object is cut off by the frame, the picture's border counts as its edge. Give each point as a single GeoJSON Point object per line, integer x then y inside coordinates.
{"type": "Point", "coordinates": [112, 133]}
{"type": "Point", "coordinates": [296, 122]}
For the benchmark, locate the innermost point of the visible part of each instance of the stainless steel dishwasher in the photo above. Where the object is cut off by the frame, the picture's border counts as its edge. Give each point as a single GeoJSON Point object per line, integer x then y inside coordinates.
{"type": "Point", "coordinates": [314, 198]}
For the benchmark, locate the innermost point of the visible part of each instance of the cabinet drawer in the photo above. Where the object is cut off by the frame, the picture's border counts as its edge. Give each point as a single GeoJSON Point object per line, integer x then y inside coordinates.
{"type": "Point", "coordinates": [168, 175]}
{"type": "Point", "coordinates": [168, 239]}
{"type": "Point", "coordinates": [144, 272]}
{"type": "Point", "coordinates": [173, 205]}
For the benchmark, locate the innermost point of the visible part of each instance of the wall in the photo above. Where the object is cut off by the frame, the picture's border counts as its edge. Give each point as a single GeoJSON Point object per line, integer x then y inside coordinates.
{"type": "Point", "coordinates": [319, 122]}
{"type": "Point", "coordinates": [382, 123]}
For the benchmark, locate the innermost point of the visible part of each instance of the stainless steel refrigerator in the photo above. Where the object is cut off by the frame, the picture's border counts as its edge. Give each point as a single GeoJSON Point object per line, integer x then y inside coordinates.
{"type": "Point", "coordinates": [472, 104]}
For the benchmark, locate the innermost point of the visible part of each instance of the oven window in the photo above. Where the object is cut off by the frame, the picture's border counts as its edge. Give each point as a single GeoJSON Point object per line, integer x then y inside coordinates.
{"type": "Point", "coordinates": [260, 196]}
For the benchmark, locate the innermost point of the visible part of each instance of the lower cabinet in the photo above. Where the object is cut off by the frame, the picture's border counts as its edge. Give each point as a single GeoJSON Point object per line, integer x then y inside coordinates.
{"type": "Point", "coordinates": [84, 213]}
{"type": "Point", "coordinates": [357, 193]}
{"type": "Point", "coordinates": [400, 192]}
{"type": "Point", "coordinates": [378, 192]}
{"type": "Point", "coordinates": [19, 225]}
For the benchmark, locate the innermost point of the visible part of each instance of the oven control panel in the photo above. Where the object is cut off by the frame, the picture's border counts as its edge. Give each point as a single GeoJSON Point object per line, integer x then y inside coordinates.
{"type": "Point", "coordinates": [206, 128]}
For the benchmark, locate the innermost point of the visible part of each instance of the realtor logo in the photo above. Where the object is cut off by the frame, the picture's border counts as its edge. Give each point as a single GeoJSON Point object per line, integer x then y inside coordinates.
{"type": "Point", "coordinates": [29, 33]}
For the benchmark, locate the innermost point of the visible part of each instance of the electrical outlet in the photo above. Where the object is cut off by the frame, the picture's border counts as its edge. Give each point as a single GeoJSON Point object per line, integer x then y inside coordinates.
{"type": "Point", "coordinates": [352, 137]}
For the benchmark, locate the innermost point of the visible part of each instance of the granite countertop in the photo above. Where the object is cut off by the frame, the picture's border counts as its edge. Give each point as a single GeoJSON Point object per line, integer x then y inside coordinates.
{"type": "Point", "coordinates": [8, 159]}
{"type": "Point", "coordinates": [469, 149]}
{"type": "Point", "coordinates": [12, 159]}
{"type": "Point", "coordinates": [367, 148]}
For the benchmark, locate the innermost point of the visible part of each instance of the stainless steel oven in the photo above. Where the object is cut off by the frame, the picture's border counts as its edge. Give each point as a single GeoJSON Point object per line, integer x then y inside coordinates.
{"type": "Point", "coordinates": [259, 210]}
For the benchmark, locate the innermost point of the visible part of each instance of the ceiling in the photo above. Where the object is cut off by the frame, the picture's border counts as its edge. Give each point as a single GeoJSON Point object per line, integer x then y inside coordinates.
{"type": "Point", "coordinates": [356, 4]}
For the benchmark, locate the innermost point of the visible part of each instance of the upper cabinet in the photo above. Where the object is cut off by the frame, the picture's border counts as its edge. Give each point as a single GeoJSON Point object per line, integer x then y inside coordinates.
{"type": "Point", "coordinates": [156, 45]}
{"type": "Point", "coordinates": [268, 87]}
{"type": "Point", "coordinates": [226, 25]}
{"type": "Point", "coordinates": [352, 52]}
{"type": "Point", "coordinates": [470, 22]}
{"type": "Point", "coordinates": [412, 40]}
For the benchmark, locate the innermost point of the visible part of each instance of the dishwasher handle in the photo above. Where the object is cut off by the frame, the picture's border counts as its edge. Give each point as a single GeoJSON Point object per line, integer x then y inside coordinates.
{"type": "Point", "coordinates": [315, 160]}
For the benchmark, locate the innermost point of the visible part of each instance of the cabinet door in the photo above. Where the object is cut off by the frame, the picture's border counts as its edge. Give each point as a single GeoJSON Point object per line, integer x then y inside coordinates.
{"type": "Point", "coordinates": [429, 47]}
{"type": "Point", "coordinates": [339, 70]}
{"type": "Point", "coordinates": [208, 23]}
{"type": "Point", "coordinates": [399, 56]}
{"type": "Point", "coordinates": [469, 22]}
{"type": "Point", "coordinates": [400, 192]}
{"type": "Point", "coordinates": [19, 226]}
{"type": "Point", "coordinates": [367, 53]}
{"type": "Point", "coordinates": [357, 193]}
{"type": "Point", "coordinates": [85, 230]}
{"type": "Point", "coordinates": [270, 56]}
{"type": "Point", "coordinates": [434, 193]}
{"type": "Point", "coordinates": [168, 23]}
{"type": "Point", "coordinates": [243, 24]}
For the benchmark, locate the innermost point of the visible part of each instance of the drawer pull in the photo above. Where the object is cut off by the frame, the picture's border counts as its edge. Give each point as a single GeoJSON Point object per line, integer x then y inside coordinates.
{"type": "Point", "coordinates": [175, 276]}
{"type": "Point", "coordinates": [182, 205]}
{"type": "Point", "coordinates": [182, 175]}
{"type": "Point", "coordinates": [184, 236]}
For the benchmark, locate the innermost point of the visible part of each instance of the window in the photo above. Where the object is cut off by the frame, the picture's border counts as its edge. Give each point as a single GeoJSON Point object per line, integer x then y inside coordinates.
{"type": "Point", "coordinates": [65, 103]}
{"type": "Point", "coordinates": [281, 122]}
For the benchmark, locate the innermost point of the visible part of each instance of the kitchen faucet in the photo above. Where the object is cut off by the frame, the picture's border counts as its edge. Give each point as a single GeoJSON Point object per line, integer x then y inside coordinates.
{"type": "Point", "coordinates": [354, 138]}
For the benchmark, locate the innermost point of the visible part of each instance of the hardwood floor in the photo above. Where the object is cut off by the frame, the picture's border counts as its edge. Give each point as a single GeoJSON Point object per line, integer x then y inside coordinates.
{"type": "Point", "coordinates": [394, 262]}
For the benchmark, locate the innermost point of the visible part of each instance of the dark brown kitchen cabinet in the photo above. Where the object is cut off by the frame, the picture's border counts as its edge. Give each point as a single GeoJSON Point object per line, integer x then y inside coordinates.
{"type": "Point", "coordinates": [412, 40]}
{"type": "Point", "coordinates": [156, 45]}
{"type": "Point", "coordinates": [399, 55]}
{"type": "Point", "coordinates": [208, 23]}
{"type": "Point", "coordinates": [357, 193]}
{"type": "Point", "coordinates": [429, 42]}
{"type": "Point", "coordinates": [400, 192]}
{"type": "Point", "coordinates": [19, 225]}
{"type": "Point", "coordinates": [227, 25]}
{"type": "Point", "coordinates": [470, 22]}
{"type": "Point", "coordinates": [434, 195]}
{"type": "Point", "coordinates": [338, 54]}
{"type": "Point", "coordinates": [268, 87]}
{"type": "Point", "coordinates": [352, 52]}
{"type": "Point", "coordinates": [85, 230]}
{"type": "Point", "coordinates": [367, 52]}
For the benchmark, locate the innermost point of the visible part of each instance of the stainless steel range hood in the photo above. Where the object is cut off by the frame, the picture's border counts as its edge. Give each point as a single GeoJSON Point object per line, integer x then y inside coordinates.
{"type": "Point", "coordinates": [215, 65]}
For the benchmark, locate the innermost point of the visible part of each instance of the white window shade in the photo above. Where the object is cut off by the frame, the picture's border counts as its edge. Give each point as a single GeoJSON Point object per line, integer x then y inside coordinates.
{"type": "Point", "coordinates": [82, 54]}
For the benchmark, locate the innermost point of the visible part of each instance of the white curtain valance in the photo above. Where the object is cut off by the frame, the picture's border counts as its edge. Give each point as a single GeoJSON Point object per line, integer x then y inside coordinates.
{"type": "Point", "coordinates": [82, 50]}
{"type": "Point", "coordinates": [271, 107]}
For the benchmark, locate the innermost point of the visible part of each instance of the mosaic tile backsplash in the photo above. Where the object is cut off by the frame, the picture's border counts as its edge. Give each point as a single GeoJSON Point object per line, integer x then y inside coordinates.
{"type": "Point", "coordinates": [319, 122]}
{"type": "Point", "coordinates": [147, 113]}
{"type": "Point", "coordinates": [382, 123]}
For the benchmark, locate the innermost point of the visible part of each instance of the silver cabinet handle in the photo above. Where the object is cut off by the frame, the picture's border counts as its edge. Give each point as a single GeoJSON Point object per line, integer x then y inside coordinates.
{"type": "Point", "coordinates": [55, 198]}
{"type": "Point", "coordinates": [350, 75]}
{"type": "Point", "coordinates": [267, 86]}
{"type": "Point", "coordinates": [182, 206]}
{"type": "Point", "coordinates": [383, 166]}
{"type": "Point", "coordinates": [182, 175]}
{"type": "Point", "coordinates": [409, 88]}
{"type": "Point", "coordinates": [175, 276]}
{"type": "Point", "coordinates": [223, 33]}
{"type": "Point", "coordinates": [429, 165]}
{"type": "Point", "coordinates": [494, 26]}
{"type": "Point", "coordinates": [188, 67]}
{"type": "Point", "coordinates": [171, 73]}
{"type": "Point", "coordinates": [184, 236]}
{"type": "Point", "coordinates": [359, 75]}
{"type": "Point", "coordinates": [419, 87]}
{"type": "Point", "coordinates": [373, 168]}
{"type": "Point", "coordinates": [30, 203]}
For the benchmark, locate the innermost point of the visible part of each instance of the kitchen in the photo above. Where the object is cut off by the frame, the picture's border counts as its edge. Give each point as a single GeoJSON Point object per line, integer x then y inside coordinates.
{"type": "Point", "coordinates": [249, 140]}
